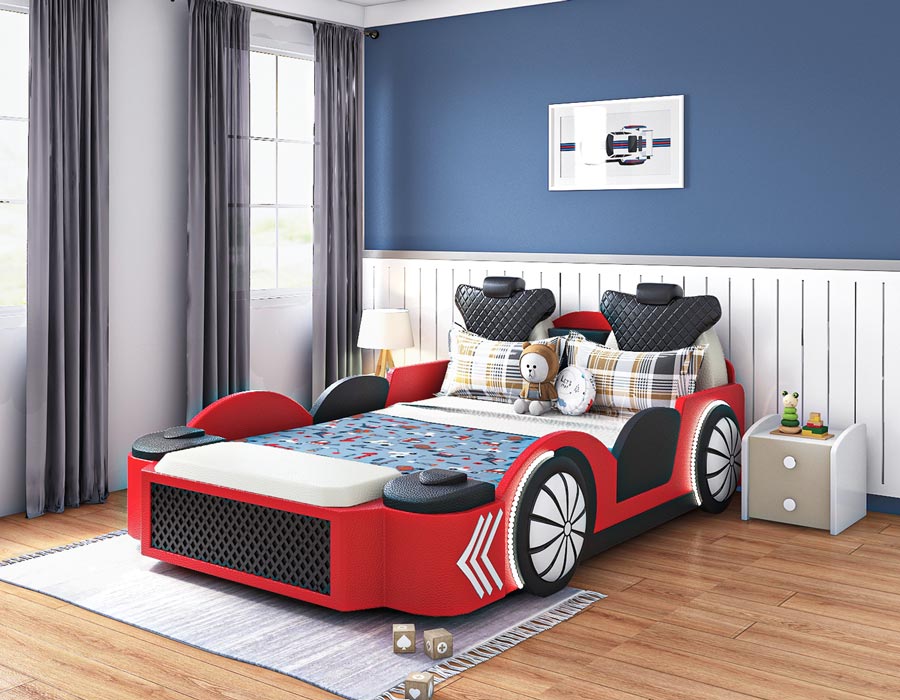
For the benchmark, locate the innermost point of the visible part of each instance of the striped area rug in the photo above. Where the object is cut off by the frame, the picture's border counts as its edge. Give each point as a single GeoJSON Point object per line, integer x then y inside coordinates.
{"type": "Point", "coordinates": [348, 654]}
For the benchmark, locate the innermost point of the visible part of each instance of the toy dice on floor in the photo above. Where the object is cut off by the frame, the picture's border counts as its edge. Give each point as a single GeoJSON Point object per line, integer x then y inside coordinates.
{"type": "Point", "coordinates": [438, 643]}
{"type": "Point", "coordinates": [419, 686]}
{"type": "Point", "coordinates": [404, 639]}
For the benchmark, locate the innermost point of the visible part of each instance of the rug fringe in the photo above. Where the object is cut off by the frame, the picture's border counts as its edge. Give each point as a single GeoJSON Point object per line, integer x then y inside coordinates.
{"type": "Point", "coordinates": [505, 641]}
{"type": "Point", "coordinates": [61, 548]}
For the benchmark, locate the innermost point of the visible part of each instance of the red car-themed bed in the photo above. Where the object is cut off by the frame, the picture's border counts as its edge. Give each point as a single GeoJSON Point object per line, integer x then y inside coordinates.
{"type": "Point", "coordinates": [432, 492]}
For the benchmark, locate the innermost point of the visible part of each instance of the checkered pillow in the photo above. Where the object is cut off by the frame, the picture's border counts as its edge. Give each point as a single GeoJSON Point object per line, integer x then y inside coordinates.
{"type": "Point", "coordinates": [636, 380]}
{"type": "Point", "coordinates": [487, 369]}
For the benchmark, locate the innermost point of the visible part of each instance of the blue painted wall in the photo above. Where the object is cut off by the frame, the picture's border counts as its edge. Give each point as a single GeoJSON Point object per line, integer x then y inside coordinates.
{"type": "Point", "coordinates": [792, 128]}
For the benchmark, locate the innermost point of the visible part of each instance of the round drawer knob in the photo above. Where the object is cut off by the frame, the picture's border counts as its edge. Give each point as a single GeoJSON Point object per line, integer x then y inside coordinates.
{"type": "Point", "coordinates": [790, 505]}
{"type": "Point", "coordinates": [790, 462]}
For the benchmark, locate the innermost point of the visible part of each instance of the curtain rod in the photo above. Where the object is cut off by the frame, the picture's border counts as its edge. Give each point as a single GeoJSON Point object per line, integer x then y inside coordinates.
{"type": "Point", "coordinates": [370, 33]}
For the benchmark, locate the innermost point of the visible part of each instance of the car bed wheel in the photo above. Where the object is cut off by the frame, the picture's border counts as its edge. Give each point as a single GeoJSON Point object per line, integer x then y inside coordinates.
{"type": "Point", "coordinates": [556, 515]}
{"type": "Point", "coordinates": [717, 458]}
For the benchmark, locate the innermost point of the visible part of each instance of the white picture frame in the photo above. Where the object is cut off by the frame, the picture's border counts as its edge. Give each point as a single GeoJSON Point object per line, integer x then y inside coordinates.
{"type": "Point", "coordinates": [629, 144]}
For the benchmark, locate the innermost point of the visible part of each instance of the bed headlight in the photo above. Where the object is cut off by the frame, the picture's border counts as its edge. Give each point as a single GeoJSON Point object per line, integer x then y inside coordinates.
{"type": "Point", "coordinates": [513, 514]}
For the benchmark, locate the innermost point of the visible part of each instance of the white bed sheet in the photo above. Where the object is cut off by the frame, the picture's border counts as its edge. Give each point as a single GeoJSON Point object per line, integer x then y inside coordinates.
{"type": "Point", "coordinates": [491, 415]}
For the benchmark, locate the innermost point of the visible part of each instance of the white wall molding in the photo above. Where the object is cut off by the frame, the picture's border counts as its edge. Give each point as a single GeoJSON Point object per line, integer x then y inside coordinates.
{"type": "Point", "coordinates": [668, 260]}
{"type": "Point", "coordinates": [402, 11]}
{"type": "Point", "coordinates": [827, 332]}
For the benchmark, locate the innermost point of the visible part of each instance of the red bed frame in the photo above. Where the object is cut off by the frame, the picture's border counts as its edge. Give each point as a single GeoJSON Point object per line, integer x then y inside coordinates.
{"type": "Point", "coordinates": [446, 564]}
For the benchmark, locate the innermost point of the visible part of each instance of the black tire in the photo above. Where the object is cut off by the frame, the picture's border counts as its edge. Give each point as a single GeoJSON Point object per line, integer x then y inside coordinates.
{"type": "Point", "coordinates": [717, 459]}
{"type": "Point", "coordinates": [555, 518]}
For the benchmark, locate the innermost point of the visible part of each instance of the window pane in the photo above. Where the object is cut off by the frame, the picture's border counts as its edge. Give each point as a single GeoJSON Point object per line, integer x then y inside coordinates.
{"type": "Point", "coordinates": [296, 108]}
{"type": "Point", "coordinates": [13, 159]}
{"type": "Point", "coordinates": [295, 248]}
{"type": "Point", "coordinates": [295, 173]}
{"type": "Point", "coordinates": [14, 59]}
{"type": "Point", "coordinates": [262, 172]}
{"type": "Point", "coordinates": [12, 254]}
{"type": "Point", "coordinates": [262, 248]}
{"type": "Point", "coordinates": [262, 94]}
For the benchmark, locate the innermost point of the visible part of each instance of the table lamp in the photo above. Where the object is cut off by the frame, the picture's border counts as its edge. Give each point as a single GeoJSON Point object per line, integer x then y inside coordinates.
{"type": "Point", "coordinates": [385, 330]}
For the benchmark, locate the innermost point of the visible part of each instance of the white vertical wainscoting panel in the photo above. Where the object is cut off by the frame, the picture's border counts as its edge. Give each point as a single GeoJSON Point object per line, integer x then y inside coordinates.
{"type": "Point", "coordinates": [814, 391]}
{"type": "Point", "coordinates": [789, 340]}
{"type": "Point", "coordinates": [891, 396]}
{"type": "Point", "coordinates": [741, 354]}
{"type": "Point", "coordinates": [842, 351]}
{"type": "Point", "coordinates": [766, 392]}
{"type": "Point", "coordinates": [870, 371]}
{"type": "Point", "coordinates": [824, 333]}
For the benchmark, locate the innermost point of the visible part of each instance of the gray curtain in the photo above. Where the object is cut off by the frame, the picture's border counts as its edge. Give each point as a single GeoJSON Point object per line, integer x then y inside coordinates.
{"type": "Point", "coordinates": [218, 303]}
{"type": "Point", "coordinates": [337, 237]}
{"type": "Point", "coordinates": [68, 252]}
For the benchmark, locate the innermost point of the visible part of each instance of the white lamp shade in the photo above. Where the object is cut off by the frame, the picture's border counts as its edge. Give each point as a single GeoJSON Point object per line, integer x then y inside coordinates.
{"type": "Point", "coordinates": [385, 329]}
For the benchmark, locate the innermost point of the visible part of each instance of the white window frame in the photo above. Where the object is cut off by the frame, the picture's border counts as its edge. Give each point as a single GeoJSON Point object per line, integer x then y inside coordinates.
{"type": "Point", "coordinates": [280, 296]}
{"type": "Point", "coordinates": [13, 316]}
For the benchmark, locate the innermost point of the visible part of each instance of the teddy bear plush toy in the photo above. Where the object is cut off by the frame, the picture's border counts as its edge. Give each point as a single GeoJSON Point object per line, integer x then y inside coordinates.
{"type": "Point", "coordinates": [539, 365]}
{"type": "Point", "coordinates": [790, 423]}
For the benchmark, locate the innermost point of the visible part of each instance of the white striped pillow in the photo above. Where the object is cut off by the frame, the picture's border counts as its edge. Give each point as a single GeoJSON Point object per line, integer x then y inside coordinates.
{"type": "Point", "coordinates": [487, 369]}
{"type": "Point", "coordinates": [637, 380]}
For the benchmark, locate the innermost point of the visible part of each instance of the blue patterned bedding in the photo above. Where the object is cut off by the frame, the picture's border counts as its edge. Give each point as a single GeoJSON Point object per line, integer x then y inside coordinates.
{"type": "Point", "coordinates": [407, 445]}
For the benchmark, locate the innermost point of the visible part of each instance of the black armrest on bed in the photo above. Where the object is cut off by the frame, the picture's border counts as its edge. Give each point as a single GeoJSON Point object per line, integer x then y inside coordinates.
{"type": "Point", "coordinates": [436, 491]}
{"type": "Point", "coordinates": [645, 451]}
{"type": "Point", "coordinates": [153, 446]}
{"type": "Point", "coordinates": [349, 397]}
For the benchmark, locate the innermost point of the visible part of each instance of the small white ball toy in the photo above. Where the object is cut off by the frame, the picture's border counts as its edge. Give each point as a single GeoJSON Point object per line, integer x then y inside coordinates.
{"type": "Point", "coordinates": [575, 391]}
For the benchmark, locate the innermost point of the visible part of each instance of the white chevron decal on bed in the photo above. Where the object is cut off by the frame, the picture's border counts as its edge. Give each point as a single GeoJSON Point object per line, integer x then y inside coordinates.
{"type": "Point", "coordinates": [480, 543]}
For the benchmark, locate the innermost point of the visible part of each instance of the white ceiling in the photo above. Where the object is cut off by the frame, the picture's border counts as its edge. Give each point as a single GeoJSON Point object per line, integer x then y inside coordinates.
{"type": "Point", "coordinates": [367, 3]}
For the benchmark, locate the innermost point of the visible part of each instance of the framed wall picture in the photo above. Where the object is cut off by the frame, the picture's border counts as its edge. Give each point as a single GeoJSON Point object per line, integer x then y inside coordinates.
{"type": "Point", "coordinates": [618, 144]}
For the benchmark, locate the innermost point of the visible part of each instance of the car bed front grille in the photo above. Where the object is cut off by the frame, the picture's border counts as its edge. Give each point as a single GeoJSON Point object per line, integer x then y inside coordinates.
{"type": "Point", "coordinates": [273, 544]}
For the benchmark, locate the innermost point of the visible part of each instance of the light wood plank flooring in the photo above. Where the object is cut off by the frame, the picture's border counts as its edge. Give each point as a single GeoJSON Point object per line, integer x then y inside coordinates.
{"type": "Point", "coordinates": [703, 607]}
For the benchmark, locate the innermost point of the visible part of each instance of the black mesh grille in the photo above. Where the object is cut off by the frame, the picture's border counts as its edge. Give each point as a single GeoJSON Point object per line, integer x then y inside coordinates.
{"type": "Point", "coordinates": [273, 544]}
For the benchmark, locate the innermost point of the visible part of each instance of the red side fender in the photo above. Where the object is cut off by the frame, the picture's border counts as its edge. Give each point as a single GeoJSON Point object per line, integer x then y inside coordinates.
{"type": "Point", "coordinates": [416, 382]}
{"type": "Point", "coordinates": [249, 413]}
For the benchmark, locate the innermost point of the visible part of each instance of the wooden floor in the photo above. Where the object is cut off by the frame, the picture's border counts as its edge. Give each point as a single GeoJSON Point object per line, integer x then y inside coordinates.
{"type": "Point", "coordinates": [703, 607]}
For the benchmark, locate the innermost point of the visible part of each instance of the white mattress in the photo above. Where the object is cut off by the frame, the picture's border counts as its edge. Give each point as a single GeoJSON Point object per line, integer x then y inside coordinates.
{"type": "Point", "coordinates": [272, 471]}
{"type": "Point", "coordinates": [492, 415]}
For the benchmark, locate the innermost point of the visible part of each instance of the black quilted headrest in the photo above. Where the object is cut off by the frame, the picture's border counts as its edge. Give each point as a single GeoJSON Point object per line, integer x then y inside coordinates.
{"type": "Point", "coordinates": [658, 293]}
{"type": "Point", "coordinates": [504, 317]}
{"type": "Point", "coordinates": [502, 287]}
{"type": "Point", "coordinates": [658, 327]}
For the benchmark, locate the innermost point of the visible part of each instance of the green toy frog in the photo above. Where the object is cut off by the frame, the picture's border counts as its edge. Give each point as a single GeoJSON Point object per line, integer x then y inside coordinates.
{"type": "Point", "coordinates": [790, 421]}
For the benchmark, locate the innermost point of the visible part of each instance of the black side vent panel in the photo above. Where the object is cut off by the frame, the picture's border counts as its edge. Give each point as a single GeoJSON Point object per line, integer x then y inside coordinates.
{"type": "Point", "coordinates": [274, 544]}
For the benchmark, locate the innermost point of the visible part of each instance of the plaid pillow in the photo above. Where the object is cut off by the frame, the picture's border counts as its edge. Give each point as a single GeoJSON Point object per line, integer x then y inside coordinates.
{"type": "Point", "coordinates": [486, 369]}
{"type": "Point", "coordinates": [637, 380]}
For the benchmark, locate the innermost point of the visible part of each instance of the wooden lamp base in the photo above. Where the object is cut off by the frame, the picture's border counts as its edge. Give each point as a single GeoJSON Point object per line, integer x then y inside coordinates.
{"type": "Point", "coordinates": [384, 363]}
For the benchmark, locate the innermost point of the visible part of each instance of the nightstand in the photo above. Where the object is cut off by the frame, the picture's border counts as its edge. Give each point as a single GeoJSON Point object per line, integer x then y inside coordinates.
{"type": "Point", "coordinates": [804, 481]}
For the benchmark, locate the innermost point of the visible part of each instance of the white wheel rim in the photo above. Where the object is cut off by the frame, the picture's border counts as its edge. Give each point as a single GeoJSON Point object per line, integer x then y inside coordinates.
{"type": "Point", "coordinates": [723, 459]}
{"type": "Point", "coordinates": [557, 527]}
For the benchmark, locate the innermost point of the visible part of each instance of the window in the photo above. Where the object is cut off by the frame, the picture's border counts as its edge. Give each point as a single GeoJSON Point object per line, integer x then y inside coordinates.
{"type": "Point", "coordinates": [281, 170]}
{"type": "Point", "coordinates": [13, 155]}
